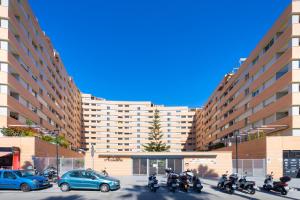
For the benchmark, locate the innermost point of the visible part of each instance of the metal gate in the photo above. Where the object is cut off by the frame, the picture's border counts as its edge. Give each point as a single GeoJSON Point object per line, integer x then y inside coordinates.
{"type": "Point", "coordinates": [65, 164]}
{"type": "Point", "coordinates": [250, 167]}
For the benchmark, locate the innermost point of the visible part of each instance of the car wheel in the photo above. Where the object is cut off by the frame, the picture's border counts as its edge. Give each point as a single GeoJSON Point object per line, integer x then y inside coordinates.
{"type": "Point", "coordinates": [104, 187]}
{"type": "Point", "coordinates": [65, 187]}
{"type": "Point", "coordinates": [25, 187]}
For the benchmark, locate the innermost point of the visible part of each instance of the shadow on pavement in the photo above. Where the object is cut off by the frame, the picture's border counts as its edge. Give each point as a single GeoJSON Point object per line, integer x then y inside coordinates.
{"type": "Point", "coordinates": [142, 193]}
{"type": "Point", "coordinates": [276, 194]}
{"type": "Point", "coordinates": [71, 197]}
{"type": "Point", "coordinates": [235, 194]}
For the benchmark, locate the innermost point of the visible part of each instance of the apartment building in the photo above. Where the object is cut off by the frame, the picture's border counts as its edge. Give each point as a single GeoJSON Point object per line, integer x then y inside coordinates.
{"type": "Point", "coordinates": [123, 126]}
{"type": "Point", "coordinates": [34, 84]}
{"type": "Point", "coordinates": [262, 97]}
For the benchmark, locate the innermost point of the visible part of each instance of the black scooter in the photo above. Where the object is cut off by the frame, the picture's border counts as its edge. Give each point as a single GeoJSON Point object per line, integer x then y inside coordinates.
{"type": "Point", "coordinates": [184, 183]}
{"type": "Point", "coordinates": [277, 186]}
{"type": "Point", "coordinates": [172, 180]}
{"type": "Point", "coordinates": [153, 183]}
{"type": "Point", "coordinates": [222, 181]}
{"type": "Point", "coordinates": [244, 185]}
{"type": "Point", "coordinates": [228, 184]}
{"type": "Point", "coordinates": [197, 186]}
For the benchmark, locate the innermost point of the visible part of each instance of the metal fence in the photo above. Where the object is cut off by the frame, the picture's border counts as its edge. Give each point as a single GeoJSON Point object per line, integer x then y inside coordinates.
{"type": "Point", "coordinates": [250, 167]}
{"type": "Point", "coordinates": [65, 164]}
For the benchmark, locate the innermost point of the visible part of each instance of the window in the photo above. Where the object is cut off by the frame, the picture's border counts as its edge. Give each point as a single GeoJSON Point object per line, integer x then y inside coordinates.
{"type": "Point", "coordinates": [4, 23]}
{"type": "Point", "coordinates": [295, 19]}
{"type": "Point", "coordinates": [3, 111]}
{"type": "Point", "coordinates": [3, 67]}
{"type": "Point", "coordinates": [295, 42]}
{"type": "Point", "coordinates": [4, 45]}
{"type": "Point", "coordinates": [282, 72]}
{"type": "Point", "coordinates": [280, 115]}
{"type": "Point", "coordinates": [246, 91]}
{"type": "Point", "coordinates": [4, 2]}
{"type": "Point", "coordinates": [75, 174]}
{"type": "Point", "coordinates": [9, 175]}
{"type": "Point", "coordinates": [269, 45]}
{"type": "Point", "coordinates": [296, 87]}
{"type": "Point", "coordinates": [14, 115]}
{"type": "Point", "coordinates": [296, 64]}
{"type": "Point", "coordinates": [254, 61]}
{"type": "Point", "coordinates": [3, 89]}
{"type": "Point", "coordinates": [296, 110]}
{"type": "Point", "coordinates": [255, 93]}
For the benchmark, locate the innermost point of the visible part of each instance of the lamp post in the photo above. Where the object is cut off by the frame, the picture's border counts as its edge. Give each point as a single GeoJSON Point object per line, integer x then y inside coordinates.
{"type": "Point", "coordinates": [236, 152]}
{"type": "Point", "coordinates": [92, 155]}
{"type": "Point", "coordinates": [56, 133]}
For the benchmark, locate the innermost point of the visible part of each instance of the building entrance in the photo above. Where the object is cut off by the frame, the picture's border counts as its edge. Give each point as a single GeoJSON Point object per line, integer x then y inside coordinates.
{"type": "Point", "coordinates": [153, 165]}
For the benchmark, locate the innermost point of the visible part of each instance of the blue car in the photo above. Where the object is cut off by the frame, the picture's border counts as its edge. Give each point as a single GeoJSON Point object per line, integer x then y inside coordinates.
{"type": "Point", "coordinates": [22, 180]}
{"type": "Point", "coordinates": [87, 179]}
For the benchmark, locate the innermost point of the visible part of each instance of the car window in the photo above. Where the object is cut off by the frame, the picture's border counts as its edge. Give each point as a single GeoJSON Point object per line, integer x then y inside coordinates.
{"type": "Point", "coordinates": [75, 174]}
{"type": "Point", "coordinates": [87, 174]}
{"type": "Point", "coordinates": [0, 174]}
{"type": "Point", "coordinates": [9, 175]}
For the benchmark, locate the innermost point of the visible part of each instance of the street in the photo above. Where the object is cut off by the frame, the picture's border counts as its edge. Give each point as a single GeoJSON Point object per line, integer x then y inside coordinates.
{"type": "Point", "coordinates": [135, 188]}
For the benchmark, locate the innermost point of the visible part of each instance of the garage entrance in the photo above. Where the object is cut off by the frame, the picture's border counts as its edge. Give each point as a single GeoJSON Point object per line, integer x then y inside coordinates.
{"type": "Point", "coordinates": [150, 165]}
{"type": "Point", "coordinates": [291, 163]}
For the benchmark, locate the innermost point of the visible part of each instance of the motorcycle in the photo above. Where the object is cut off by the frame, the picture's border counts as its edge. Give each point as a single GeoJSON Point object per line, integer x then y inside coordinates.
{"type": "Point", "coordinates": [50, 173]}
{"type": "Point", "coordinates": [277, 186]}
{"type": "Point", "coordinates": [184, 183]}
{"type": "Point", "coordinates": [197, 186]}
{"type": "Point", "coordinates": [228, 184]}
{"type": "Point", "coordinates": [222, 181]}
{"type": "Point", "coordinates": [153, 183]}
{"type": "Point", "coordinates": [244, 185]}
{"type": "Point", "coordinates": [172, 180]}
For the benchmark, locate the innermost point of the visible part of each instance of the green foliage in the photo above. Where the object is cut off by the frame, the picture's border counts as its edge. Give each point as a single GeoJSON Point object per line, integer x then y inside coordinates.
{"type": "Point", "coordinates": [19, 132]}
{"type": "Point", "coordinates": [30, 132]}
{"type": "Point", "coordinates": [155, 136]}
{"type": "Point", "coordinates": [29, 122]}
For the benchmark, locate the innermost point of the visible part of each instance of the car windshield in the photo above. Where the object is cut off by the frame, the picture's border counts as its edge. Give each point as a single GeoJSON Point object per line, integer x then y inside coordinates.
{"type": "Point", "coordinates": [24, 173]}
{"type": "Point", "coordinates": [99, 174]}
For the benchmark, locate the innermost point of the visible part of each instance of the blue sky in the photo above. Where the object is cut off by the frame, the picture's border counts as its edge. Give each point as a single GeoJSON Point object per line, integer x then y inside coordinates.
{"type": "Point", "coordinates": [167, 51]}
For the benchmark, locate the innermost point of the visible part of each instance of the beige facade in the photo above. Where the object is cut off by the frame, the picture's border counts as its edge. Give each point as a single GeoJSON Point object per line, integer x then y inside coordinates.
{"type": "Point", "coordinates": [116, 126]}
{"type": "Point", "coordinates": [262, 96]}
{"type": "Point", "coordinates": [31, 147]}
{"type": "Point", "coordinates": [34, 84]}
{"type": "Point", "coordinates": [207, 164]}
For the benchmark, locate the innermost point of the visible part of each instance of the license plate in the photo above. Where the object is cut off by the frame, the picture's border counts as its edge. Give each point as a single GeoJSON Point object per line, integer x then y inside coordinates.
{"type": "Point", "coordinates": [198, 185]}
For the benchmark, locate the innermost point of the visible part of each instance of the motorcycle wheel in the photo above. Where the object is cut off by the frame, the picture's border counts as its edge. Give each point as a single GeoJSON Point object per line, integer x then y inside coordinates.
{"type": "Point", "coordinates": [283, 192]}
{"type": "Point", "coordinates": [251, 190]}
{"type": "Point", "coordinates": [229, 190]}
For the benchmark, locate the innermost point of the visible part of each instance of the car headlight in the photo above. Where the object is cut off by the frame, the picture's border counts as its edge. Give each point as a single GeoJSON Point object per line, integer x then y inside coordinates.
{"type": "Point", "coordinates": [36, 182]}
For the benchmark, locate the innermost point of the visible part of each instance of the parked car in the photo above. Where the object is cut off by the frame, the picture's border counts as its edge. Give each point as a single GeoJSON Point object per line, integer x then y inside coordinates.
{"type": "Point", "coordinates": [22, 180]}
{"type": "Point", "coordinates": [87, 179]}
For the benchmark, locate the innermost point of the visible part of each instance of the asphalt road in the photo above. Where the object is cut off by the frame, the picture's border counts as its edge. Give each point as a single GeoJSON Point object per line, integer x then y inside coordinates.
{"type": "Point", "coordinates": [133, 188]}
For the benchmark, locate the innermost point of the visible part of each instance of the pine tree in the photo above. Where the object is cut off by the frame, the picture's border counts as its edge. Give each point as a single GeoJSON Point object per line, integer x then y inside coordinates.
{"type": "Point", "coordinates": [155, 143]}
